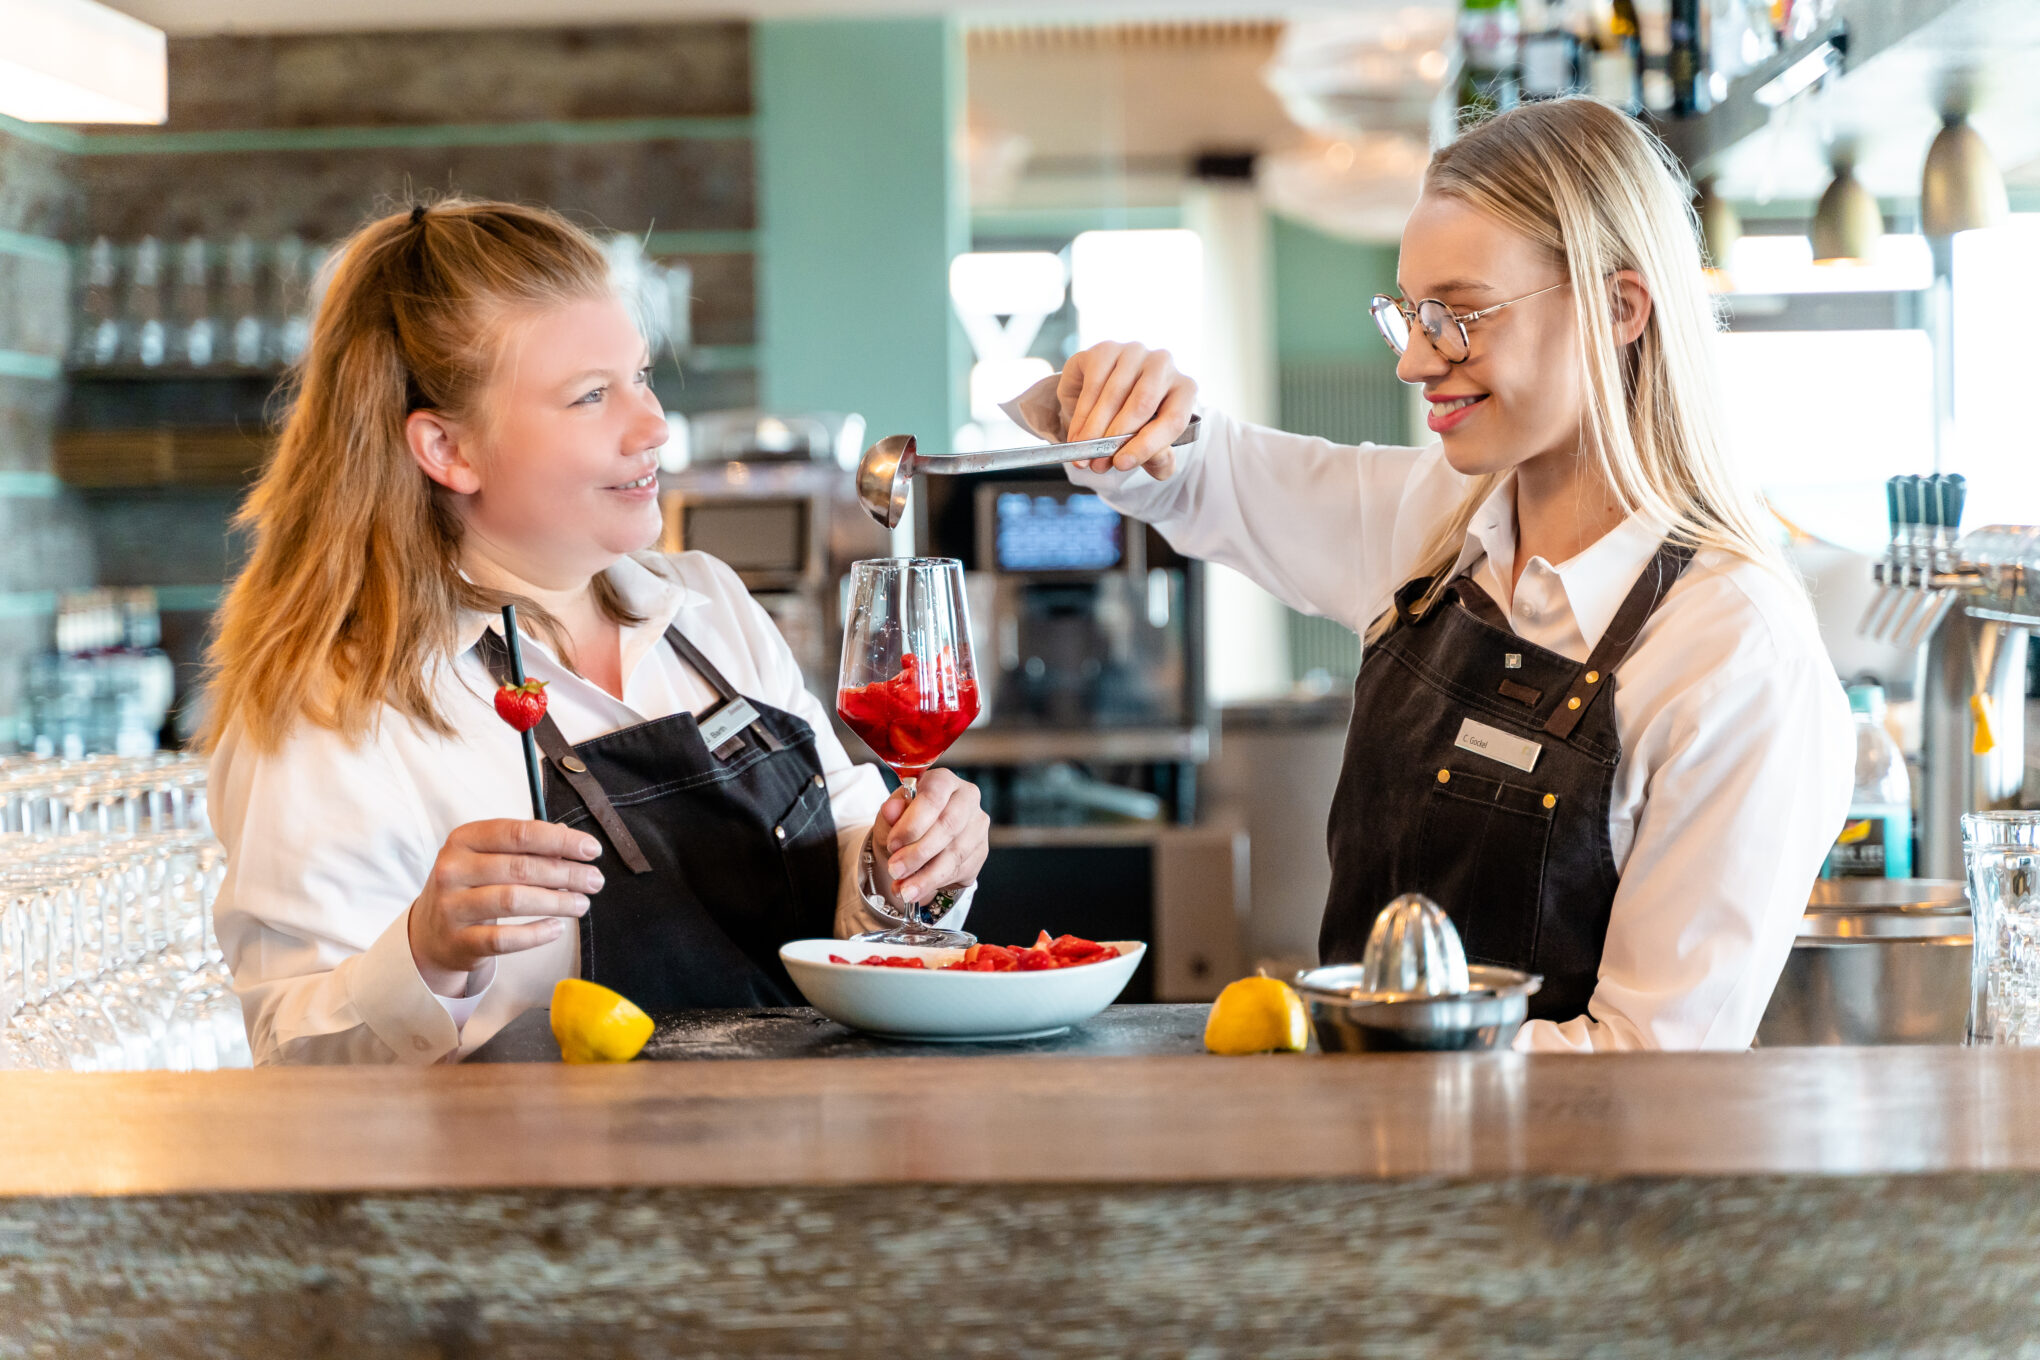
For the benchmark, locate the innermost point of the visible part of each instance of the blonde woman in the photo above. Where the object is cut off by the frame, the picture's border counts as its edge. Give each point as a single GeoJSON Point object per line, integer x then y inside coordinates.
{"type": "Point", "coordinates": [473, 424]}
{"type": "Point", "coordinates": [1594, 720]}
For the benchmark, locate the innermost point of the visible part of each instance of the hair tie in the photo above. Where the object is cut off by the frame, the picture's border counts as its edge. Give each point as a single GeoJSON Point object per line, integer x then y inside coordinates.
{"type": "Point", "coordinates": [417, 214]}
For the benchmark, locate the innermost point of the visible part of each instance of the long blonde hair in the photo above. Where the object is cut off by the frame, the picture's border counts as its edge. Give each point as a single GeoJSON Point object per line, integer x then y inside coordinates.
{"type": "Point", "coordinates": [1600, 193]}
{"type": "Point", "coordinates": [352, 590]}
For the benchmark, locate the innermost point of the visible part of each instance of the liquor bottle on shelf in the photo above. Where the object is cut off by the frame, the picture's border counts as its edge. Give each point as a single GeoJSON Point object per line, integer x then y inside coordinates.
{"type": "Point", "coordinates": [1618, 64]}
{"type": "Point", "coordinates": [1553, 56]}
{"type": "Point", "coordinates": [1489, 42]}
{"type": "Point", "coordinates": [1687, 64]}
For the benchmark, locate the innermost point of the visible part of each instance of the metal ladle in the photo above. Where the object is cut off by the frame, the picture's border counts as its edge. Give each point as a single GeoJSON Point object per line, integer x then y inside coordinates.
{"type": "Point", "coordinates": [890, 466]}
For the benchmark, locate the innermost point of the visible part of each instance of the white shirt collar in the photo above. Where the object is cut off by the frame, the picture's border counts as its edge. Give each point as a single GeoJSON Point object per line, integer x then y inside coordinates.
{"type": "Point", "coordinates": [1593, 582]}
{"type": "Point", "coordinates": [652, 594]}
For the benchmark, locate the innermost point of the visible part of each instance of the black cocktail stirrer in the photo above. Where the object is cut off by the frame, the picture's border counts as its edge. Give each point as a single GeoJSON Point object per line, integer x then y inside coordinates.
{"type": "Point", "coordinates": [531, 770]}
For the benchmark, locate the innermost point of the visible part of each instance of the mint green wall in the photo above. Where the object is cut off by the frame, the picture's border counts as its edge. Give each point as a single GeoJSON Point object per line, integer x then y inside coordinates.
{"type": "Point", "coordinates": [1322, 288]}
{"type": "Point", "coordinates": [861, 205]}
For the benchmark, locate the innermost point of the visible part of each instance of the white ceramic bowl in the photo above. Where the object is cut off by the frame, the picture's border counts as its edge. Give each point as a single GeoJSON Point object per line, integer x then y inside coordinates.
{"type": "Point", "coordinates": [910, 1003]}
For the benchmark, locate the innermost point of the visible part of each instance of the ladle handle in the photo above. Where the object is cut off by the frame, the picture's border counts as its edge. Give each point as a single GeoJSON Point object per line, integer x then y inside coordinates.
{"type": "Point", "coordinates": [1043, 455]}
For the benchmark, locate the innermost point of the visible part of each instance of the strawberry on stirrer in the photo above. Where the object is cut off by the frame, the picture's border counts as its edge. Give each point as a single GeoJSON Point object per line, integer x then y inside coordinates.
{"type": "Point", "coordinates": [521, 705]}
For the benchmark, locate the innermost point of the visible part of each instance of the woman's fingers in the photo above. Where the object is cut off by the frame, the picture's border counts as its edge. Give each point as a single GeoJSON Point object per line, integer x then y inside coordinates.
{"type": "Point", "coordinates": [521, 836]}
{"type": "Point", "coordinates": [565, 875]}
{"type": "Point", "coordinates": [925, 835]}
{"type": "Point", "coordinates": [1104, 391]}
{"type": "Point", "coordinates": [486, 941]}
{"type": "Point", "coordinates": [1154, 447]}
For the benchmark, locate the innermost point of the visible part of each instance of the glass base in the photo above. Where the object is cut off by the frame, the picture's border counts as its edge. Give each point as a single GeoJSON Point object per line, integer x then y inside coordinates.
{"type": "Point", "coordinates": [925, 937]}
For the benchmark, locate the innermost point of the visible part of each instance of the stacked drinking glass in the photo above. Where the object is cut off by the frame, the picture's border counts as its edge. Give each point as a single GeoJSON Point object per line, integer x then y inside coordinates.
{"type": "Point", "coordinates": [108, 963]}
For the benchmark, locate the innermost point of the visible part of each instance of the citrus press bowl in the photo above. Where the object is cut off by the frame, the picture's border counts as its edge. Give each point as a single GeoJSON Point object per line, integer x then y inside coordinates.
{"type": "Point", "coordinates": [1414, 991]}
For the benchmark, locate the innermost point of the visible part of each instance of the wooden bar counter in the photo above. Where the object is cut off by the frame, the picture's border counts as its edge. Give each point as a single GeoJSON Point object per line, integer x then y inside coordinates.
{"type": "Point", "coordinates": [1782, 1203]}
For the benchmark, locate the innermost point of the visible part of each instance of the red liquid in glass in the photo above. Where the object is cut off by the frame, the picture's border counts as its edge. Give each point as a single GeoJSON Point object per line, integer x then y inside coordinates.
{"type": "Point", "coordinates": [911, 719]}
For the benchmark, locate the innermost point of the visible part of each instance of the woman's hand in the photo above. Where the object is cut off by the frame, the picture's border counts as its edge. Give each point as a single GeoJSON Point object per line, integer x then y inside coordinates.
{"type": "Point", "coordinates": [489, 870]}
{"type": "Point", "coordinates": [1111, 389]}
{"type": "Point", "coordinates": [937, 841]}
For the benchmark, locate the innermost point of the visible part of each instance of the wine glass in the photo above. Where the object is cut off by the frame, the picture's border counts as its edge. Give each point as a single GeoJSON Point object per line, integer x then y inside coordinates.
{"type": "Point", "coordinates": [909, 688]}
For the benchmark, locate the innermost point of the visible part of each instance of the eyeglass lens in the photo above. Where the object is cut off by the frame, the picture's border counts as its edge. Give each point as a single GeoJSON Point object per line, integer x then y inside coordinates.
{"type": "Point", "coordinates": [1439, 327]}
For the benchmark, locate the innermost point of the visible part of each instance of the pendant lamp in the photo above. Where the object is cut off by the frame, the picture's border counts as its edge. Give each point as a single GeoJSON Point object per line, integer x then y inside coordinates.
{"type": "Point", "coordinates": [77, 61]}
{"type": "Point", "coordinates": [1847, 225]}
{"type": "Point", "coordinates": [1720, 229]}
{"type": "Point", "coordinates": [1961, 189]}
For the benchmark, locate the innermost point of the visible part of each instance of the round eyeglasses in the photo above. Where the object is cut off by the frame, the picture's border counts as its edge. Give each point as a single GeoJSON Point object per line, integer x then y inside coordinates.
{"type": "Point", "coordinates": [1443, 327]}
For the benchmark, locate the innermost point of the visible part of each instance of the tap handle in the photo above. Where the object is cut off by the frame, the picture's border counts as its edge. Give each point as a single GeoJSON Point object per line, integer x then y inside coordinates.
{"type": "Point", "coordinates": [1908, 501]}
{"type": "Point", "coordinates": [1930, 500]}
{"type": "Point", "coordinates": [1891, 509]}
{"type": "Point", "coordinates": [1954, 491]}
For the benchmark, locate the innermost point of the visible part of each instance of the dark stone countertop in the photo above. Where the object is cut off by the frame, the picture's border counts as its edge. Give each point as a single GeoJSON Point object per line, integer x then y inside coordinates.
{"type": "Point", "coordinates": [1116, 1032]}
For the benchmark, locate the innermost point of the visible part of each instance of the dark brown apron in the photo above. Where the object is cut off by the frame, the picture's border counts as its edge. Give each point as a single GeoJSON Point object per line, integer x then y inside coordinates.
{"type": "Point", "coordinates": [1433, 798]}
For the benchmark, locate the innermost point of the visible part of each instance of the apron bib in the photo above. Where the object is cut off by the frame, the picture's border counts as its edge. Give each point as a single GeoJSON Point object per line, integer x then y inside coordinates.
{"type": "Point", "coordinates": [711, 859]}
{"type": "Point", "coordinates": [1478, 772]}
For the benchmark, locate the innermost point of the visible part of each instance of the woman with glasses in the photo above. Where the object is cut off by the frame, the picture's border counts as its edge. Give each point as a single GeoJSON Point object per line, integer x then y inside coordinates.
{"type": "Point", "coordinates": [1594, 720]}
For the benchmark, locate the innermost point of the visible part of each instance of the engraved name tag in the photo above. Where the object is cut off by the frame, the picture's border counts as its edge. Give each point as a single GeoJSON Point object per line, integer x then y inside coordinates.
{"type": "Point", "coordinates": [1496, 744]}
{"type": "Point", "coordinates": [720, 728]}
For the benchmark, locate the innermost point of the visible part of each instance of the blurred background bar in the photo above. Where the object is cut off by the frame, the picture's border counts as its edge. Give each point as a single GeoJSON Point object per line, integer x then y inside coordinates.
{"type": "Point", "coordinates": [869, 219]}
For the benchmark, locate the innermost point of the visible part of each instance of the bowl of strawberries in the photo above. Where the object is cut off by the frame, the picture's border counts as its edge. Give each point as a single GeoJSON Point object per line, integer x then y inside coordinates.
{"type": "Point", "coordinates": [984, 993]}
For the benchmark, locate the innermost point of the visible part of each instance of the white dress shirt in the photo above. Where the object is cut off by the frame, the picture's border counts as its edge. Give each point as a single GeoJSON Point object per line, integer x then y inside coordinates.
{"type": "Point", "coordinates": [329, 841]}
{"type": "Point", "coordinates": [1738, 752]}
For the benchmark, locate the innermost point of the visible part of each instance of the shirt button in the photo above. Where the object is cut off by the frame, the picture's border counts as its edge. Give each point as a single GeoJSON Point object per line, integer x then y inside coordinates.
{"type": "Point", "coordinates": [421, 1043]}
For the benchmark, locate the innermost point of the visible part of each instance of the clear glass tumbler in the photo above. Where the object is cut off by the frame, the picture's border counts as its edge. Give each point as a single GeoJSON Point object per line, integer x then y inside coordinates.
{"type": "Point", "coordinates": [2001, 851]}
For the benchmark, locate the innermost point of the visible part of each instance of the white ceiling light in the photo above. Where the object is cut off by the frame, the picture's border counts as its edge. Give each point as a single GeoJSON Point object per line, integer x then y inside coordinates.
{"type": "Point", "coordinates": [74, 61]}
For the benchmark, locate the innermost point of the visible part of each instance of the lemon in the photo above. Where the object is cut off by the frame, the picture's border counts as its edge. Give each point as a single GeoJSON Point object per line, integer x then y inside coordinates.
{"type": "Point", "coordinates": [1257, 1015]}
{"type": "Point", "coordinates": [594, 1024]}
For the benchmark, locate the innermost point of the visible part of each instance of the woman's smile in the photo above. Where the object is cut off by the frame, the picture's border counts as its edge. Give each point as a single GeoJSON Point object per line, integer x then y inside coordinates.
{"type": "Point", "coordinates": [1449, 412]}
{"type": "Point", "coordinates": [638, 489]}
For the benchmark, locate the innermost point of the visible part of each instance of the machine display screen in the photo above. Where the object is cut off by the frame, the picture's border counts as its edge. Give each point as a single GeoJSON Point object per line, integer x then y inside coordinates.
{"type": "Point", "coordinates": [750, 535]}
{"type": "Point", "coordinates": [1072, 532]}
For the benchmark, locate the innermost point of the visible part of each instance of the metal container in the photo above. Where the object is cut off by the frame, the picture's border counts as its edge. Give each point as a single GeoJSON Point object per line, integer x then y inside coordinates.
{"type": "Point", "coordinates": [1877, 961]}
{"type": "Point", "coordinates": [1351, 1019]}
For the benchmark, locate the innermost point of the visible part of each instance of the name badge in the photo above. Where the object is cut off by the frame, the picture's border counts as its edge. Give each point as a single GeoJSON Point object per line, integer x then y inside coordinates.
{"type": "Point", "coordinates": [1496, 744]}
{"type": "Point", "coordinates": [721, 728]}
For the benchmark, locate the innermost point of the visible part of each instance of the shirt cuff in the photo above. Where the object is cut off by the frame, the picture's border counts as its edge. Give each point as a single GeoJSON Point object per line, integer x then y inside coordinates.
{"type": "Point", "coordinates": [392, 999]}
{"type": "Point", "coordinates": [461, 1009]}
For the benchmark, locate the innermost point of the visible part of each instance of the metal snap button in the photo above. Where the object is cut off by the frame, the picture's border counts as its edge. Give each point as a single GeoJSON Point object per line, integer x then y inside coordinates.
{"type": "Point", "coordinates": [1593, 677]}
{"type": "Point", "coordinates": [1551, 800]}
{"type": "Point", "coordinates": [1573, 702]}
{"type": "Point", "coordinates": [779, 831]}
{"type": "Point", "coordinates": [573, 763]}
{"type": "Point", "coordinates": [1444, 776]}
{"type": "Point", "coordinates": [819, 781]}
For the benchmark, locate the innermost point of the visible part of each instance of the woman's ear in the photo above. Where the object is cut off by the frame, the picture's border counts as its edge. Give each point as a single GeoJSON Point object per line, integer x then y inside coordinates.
{"type": "Point", "coordinates": [439, 446]}
{"type": "Point", "coordinates": [1629, 304]}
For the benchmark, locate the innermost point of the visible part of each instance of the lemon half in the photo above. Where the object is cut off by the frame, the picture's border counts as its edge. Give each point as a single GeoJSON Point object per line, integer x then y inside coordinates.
{"type": "Point", "coordinates": [1257, 1015]}
{"type": "Point", "coordinates": [594, 1024]}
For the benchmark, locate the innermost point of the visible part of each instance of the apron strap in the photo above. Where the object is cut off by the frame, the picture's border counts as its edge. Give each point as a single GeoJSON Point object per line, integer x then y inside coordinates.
{"type": "Point", "coordinates": [1655, 582]}
{"type": "Point", "coordinates": [1479, 603]}
{"type": "Point", "coordinates": [496, 656]}
{"type": "Point", "coordinates": [725, 691]}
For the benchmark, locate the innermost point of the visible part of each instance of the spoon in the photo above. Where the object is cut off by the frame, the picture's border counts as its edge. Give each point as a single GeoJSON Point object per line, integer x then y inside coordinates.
{"type": "Point", "coordinates": [890, 466]}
